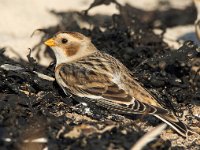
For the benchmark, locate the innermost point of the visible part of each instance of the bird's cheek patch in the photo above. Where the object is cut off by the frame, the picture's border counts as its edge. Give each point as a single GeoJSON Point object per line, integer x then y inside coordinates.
{"type": "Point", "coordinates": [72, 49]}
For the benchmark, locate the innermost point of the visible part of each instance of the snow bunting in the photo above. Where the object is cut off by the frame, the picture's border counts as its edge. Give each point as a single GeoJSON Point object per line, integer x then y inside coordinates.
{"type": "Point", "coordinates": [197, 22]}
{"type": "Point", "coordinates": [86, 72]}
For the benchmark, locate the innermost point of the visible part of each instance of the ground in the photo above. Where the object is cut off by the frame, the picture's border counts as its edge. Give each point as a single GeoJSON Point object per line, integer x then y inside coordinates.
{"type": "Point", "coordinates": [36, 114]}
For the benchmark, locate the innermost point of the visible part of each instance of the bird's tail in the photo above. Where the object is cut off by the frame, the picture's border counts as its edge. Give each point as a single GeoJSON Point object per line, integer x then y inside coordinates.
{"type": "Point", "coordinates": [175, 123]}
{"type": "Point", "coordinates": [166, 116]}
{"type": "Point", "coordinates": [138, 107]}
{"type": "Point", "coordinates": [163, 114]}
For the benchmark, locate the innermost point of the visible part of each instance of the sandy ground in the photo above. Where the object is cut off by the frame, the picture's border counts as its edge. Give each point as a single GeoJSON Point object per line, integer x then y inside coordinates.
{"type": "Point", "coordinates": [19, 18]}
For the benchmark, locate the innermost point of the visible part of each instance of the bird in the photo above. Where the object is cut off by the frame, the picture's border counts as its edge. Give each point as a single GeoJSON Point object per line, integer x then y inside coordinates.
{"type": "Point", "coordinates": [84, 71]}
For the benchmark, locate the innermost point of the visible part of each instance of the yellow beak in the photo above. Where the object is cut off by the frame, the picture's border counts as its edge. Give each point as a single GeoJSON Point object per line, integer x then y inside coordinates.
{"type": "Point", "coordinates": [50, 42]}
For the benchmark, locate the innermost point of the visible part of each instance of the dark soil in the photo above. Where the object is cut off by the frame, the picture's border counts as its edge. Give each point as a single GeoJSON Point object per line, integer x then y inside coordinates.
{"type": "Point", "coordinates": [32, 107]}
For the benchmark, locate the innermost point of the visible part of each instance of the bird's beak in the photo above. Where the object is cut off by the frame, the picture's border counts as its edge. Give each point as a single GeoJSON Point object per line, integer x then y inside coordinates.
{"type": "Point", "coordinates": [50, 42]}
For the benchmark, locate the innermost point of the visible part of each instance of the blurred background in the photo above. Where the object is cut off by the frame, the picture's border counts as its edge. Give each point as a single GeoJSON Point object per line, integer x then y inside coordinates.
{"type": "Point", "coordinates": [20, 18]}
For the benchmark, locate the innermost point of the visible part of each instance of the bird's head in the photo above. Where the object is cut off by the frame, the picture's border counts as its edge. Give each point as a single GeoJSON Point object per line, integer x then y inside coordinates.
{"type": "Point", "coordinates": [70, 46]}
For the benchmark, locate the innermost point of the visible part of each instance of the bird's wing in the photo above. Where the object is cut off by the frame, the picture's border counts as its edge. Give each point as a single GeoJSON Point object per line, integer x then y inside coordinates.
{"type": "Point", "coordinates": [86, 82]}
{"type": "Point", "coordinates": [100, 86]}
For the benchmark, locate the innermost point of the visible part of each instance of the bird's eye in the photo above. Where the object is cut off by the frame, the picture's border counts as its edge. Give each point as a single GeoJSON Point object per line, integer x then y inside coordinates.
{"type": "Point", "coordinates": [64, 41]}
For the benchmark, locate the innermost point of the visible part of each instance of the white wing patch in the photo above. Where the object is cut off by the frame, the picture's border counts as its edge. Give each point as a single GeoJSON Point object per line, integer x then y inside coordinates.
{"type": "Point", "coordinates": [117, 80]}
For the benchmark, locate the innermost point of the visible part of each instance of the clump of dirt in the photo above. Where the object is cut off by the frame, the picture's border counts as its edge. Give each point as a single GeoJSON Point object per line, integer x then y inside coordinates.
{"type": "Point", "coordinates": [33, 106]}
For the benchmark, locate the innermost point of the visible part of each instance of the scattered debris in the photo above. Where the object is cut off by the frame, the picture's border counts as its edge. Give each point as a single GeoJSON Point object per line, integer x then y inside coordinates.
{"type": "Point", "coordinates": [148, 137]}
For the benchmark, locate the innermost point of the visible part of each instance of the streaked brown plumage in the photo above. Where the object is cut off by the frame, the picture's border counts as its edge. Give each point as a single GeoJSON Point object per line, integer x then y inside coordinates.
{"type": "Point", "coordinates": [103, 79]}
